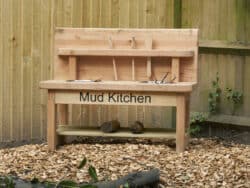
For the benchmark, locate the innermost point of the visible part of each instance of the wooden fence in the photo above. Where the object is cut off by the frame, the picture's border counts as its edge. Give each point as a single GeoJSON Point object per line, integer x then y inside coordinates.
{"type": "Point", "coordinates": [26, 33]}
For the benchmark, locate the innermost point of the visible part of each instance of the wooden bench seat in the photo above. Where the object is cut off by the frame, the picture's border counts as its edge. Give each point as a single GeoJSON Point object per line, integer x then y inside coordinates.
{"type": "Point", "coordinates": [124, 64]}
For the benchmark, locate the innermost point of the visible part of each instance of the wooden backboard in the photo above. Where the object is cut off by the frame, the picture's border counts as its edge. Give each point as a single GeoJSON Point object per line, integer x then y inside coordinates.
{"type": "Point", "coordinates": [97, 48]}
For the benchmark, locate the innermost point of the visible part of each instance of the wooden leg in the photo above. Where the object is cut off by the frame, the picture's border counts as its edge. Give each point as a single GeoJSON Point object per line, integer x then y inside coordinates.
{"type": "Point", "coordinates": [51, 122]}
{"type": "Point", "coordinates": [187, 119]}
{"type": "Point", "coordinates": [62, 120]}
{"type": "Point", "coordinates": [181, 122]}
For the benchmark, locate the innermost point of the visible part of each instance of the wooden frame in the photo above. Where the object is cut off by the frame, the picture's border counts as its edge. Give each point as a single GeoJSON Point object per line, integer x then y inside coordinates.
{"type": "Point", "coordinates": [131, 59]}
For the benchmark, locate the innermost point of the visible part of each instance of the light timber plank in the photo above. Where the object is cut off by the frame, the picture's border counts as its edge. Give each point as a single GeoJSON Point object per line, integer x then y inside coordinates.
{"type": "Point", "coordinates": [125, 52]}
{"type": "Point", "coordinates": [117, 86]}
{"type": "Point", "coordinates": [114, 68]}
{"type": "Point", "coordinates": [115, 98]}
{"type": "Point", "coordinates": [175, 69]}
{"type": "Point", "coordinates": [181, 117]}
{"type": "Point", "coordinates": [148, 44]}
{"type": "Point", "coordinates": [66, 130]}
{"type": "Point", "coordinates": [133, 69]}
{"type": "Point", "coordinates": [51, 122]}
{"type": "Point", "coordinates": [72, 67]}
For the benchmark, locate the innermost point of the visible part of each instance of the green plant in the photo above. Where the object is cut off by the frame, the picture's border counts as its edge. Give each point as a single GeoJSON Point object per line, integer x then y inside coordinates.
{"type": "Point", "coordinates": [6, 182]}
{"type": "Point", "coordinates": [235, 97]}
{"type": "Point", "coordinates": [196, 121]}
{"type": "Point", "coordinates": [69, 183]}
{"type": "Point", "coordinates": [214, 96]}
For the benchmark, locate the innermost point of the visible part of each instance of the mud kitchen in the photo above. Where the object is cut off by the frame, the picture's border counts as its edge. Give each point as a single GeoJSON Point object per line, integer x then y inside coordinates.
{"type": "Point", "coordinates": [112, 97]}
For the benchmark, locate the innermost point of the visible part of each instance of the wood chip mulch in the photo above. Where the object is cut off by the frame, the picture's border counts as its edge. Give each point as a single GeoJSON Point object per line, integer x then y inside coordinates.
{"type": "Point", "coordinates": [207, 163]}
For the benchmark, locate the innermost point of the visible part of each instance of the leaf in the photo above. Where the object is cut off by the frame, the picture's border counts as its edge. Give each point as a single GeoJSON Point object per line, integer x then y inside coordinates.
{"type": "Point", "coordinates": [48, 184]}
{"type": "Point", "coordinates": [126, 185]}
{"type": "Point", "coordinates": [9, 182]}
{"type": "Point", "coordinates": [67, 184]}
{"type": "Point", "coordinates": [92, 173]}
{"type": "Point", "coordinates": [83, 163]}
{"type": "Point", "coordinates": [34, 181]}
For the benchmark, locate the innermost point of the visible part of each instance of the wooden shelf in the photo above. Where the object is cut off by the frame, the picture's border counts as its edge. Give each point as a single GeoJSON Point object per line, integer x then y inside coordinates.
{"type": "Point", "coordinates": [117, 86]}
{"type": "Point", "coordinates": [77, 131]}
{"type": "Point", "coordinates": [124, 52]}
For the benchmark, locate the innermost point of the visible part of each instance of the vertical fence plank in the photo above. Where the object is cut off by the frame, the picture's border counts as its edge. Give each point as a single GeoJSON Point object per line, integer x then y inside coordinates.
{"type": "Point", "coordinates": [46, 56]}
{"type": "Point", "coordinates": [124, 14]}
{"type": "Point", "coordinates": [67, 11]}
{"type": "Point", "coordinates": [36, 68]}
{"type": "Point", "coordinates": [1, 71]}
{"type": "Point", "coordinates": [17, 76]}
{"type": "Point", "coordinates": [95, 13]}
{"type": "Point", "coordinates": [106, 13]}
{"type": "Point", "coordinates": [59, 7]}
{"type": "Point", "coordinates": [86, 13]}
{"type": "Point", "coordinates": [246, 90]}
{"type": "Point", "coordinates": [141, 13]}
{"type": "Point", "coordinates": [27, 67]}
{"type": "Point", "coordinates": [6, 98]}
{"type": "Point", "coordinates": [77, 13]}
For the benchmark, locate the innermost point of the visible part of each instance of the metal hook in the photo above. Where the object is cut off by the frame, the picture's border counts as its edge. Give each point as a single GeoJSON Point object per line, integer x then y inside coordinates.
{"type": "Point", "coordinates": [164, 77]}
{"type": "Point", "coordinates": [172, 80]}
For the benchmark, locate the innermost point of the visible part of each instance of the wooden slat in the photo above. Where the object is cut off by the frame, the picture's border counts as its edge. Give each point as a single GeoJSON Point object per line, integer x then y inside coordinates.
{"type": "Point", "coordinates": [133, 69]}
{"type": "Point", "coordinates": [72, 68]}
{"type": "Point", "coordinates": [175, 69]}
{"type": "Point", "coordinates": [114, 68]}
{"type": "Point", "coordinates": [125, 52]}
{"type": "Point", "coordinates": [118, 86]}
{"type": "Point", "coordinates": [51, 122]}
{"type": "Point", "coordinates": [181, 122]}
{"type": "Point", "coordinates": [68, 130]}
{"type": "Point", "coordinates": [122, 98]}
{"type": "Point", "coordinates": [148, 44]}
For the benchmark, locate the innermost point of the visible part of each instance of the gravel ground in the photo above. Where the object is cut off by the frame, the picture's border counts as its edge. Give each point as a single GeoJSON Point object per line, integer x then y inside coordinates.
{"type": "Point", "coordinates": [206, 163]}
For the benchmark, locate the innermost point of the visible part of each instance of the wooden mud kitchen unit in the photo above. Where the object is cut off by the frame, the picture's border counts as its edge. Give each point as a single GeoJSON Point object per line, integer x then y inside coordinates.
{"type": "Point", "coordinates": [149, 67]}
